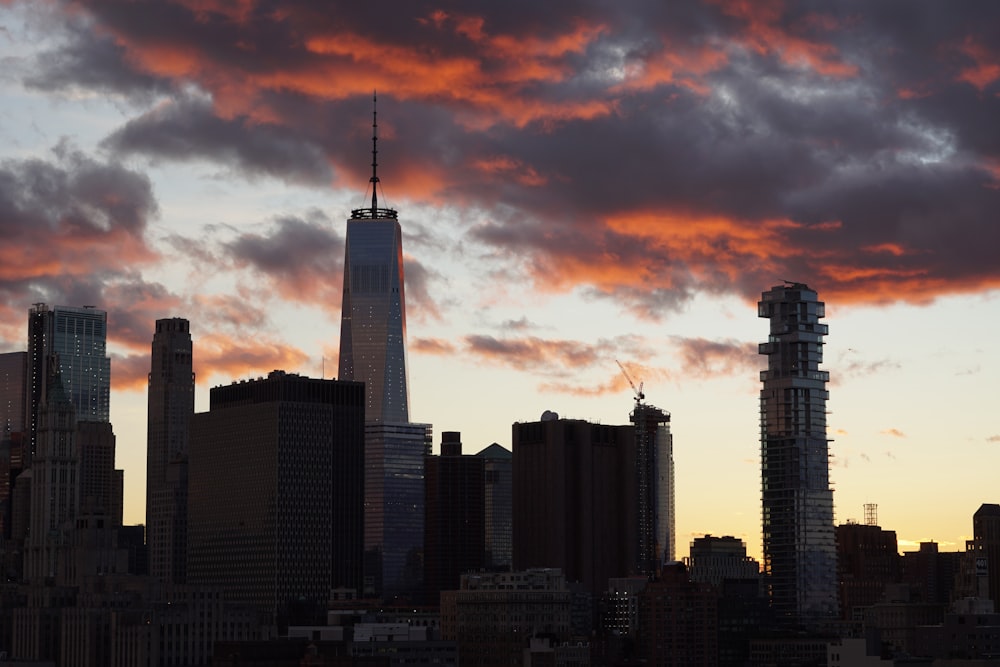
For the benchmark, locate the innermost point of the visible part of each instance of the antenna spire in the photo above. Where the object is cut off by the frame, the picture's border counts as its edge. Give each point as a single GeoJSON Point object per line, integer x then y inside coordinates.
{"type": "Point", "coordinates": [374, 178]}
{"type": "Point", "coordinates": [373, 212]}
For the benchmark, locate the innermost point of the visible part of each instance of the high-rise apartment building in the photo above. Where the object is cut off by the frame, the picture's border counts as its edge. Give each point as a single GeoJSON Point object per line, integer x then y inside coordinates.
{"type": "Point", "coordinates": [373, 315]}
{"type": "Point", "coordinates": [275, 491]}
{"type": "Point", "coordinates": [170, 407]}
{"type": "Point", "coordinates": [800, 556]}
{"type": "Point", "coordinates": [77, 339]}
{"type": "Point", "coordinates": [574, 499]}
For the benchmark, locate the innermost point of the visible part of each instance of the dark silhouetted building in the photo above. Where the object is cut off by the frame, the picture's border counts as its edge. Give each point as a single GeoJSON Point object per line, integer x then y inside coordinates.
{"type": "Point", "coordinates": [498, 506]}
{"type": "Point", "coordinates": [574, 499]}
{"type": "Point", "coordinates": [986, 535]}
{"type": "Point", "coordinates": [677, 620]}
{"type": "Point", "coordinates": [170, 407]}
{"type": "Point", "coordinates": [716, 559]}
{"type": "Point", "coordinates": [867, 561]}
{"type": "Point", "coordinates": [275, 491]}
{"type": "Point", "coordinates": [800, 557]}
{"type": "Point", "coordinates": [930, 573]}
{"type": "Point", "coordinates": [493, 616]}
{"type": "Point", "coordinates": [13, 366]}
{"type": "Point", "coordinates": [454, 511]}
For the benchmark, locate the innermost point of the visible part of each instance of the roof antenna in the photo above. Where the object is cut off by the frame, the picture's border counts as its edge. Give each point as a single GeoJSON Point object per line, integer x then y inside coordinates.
{"type": "Point", "coordinates": [374, 212]}
{"type": "Point", "coordinates": [374, 178]}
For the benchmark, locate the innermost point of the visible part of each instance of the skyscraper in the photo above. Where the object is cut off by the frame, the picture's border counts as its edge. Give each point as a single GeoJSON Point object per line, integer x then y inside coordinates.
{"type": "Point", "coordinates": [276, 469]}
{"type": "Point", "coordinates": [170, 406]}
{"type": "Point", "coordinates": [77, 338]}
{"type": "Point", "coordinates": [373, 315]}
{"type": "Point", "coordinates": [575, 499]}
{"type": "Point", "coordinates": [800, 557]}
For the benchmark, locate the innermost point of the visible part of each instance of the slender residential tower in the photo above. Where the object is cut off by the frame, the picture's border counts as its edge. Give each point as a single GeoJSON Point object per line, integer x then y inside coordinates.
{"type": "Point", "coordinates": [800, 555]}
{"type": "Point", "coordinates": [171, 404]}
{"type": "Point", "coordinates": [373, 316]}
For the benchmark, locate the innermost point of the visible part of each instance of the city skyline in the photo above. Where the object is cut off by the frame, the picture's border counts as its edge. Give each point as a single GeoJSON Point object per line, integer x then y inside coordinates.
{"type": "Point", "coordinates": [577, 190]}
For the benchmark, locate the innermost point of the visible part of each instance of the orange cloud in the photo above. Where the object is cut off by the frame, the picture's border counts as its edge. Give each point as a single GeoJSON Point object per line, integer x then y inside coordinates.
{"type": "Point", "coordinates": [986, 67]}
{"type": "Point", "coordinates": [508, 167]}
{"type": "Point", "coordinates": [218, 357]}
{"type": "Point", "coordinates": [766, 36]}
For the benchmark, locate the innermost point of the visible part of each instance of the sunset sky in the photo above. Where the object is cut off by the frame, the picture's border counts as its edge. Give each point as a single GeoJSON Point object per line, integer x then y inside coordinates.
{"type": "Point", "coordinates": [578, 183]}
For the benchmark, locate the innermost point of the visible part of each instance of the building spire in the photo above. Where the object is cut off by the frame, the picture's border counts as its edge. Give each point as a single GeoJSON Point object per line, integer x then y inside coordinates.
{"type": "Point", "coordinates": [374, 212]}
{"type": "Point", "coordinates": [374, 178]}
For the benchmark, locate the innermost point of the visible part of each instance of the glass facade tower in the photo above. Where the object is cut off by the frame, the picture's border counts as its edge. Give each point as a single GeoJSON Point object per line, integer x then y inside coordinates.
{"type": "Point", "coordinates": [373, 317]}
{"type": "Point", "coordinates": [77, 337]}
{"type": "Point", "coordinates": [800, 556]}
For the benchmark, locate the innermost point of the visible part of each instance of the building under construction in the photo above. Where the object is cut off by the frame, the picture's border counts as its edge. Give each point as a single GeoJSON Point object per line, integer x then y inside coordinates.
{"type": "Point", "coordinates": [800, 557]}
{"type": "Point", "coordinates": [654, 469]}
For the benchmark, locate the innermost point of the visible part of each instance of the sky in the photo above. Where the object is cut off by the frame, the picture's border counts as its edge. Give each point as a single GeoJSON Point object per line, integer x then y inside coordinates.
{"type": "Point", "coordinates": [578, 184]}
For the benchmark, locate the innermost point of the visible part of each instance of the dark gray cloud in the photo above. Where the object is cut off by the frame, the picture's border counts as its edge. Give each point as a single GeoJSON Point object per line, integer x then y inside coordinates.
{"type": "Point", "coordinates": [646, 152]}
{"type": "Point", "coordinates": [187, 129]}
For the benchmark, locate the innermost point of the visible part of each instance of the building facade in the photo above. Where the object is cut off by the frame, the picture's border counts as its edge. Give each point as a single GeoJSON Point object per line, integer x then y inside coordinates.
{"type": "Point", "coordinates": [170, 398]}
{"type": "Point", "coordinates": [290, 449]}
{"type": "Point", "coordinates": [800, 558]}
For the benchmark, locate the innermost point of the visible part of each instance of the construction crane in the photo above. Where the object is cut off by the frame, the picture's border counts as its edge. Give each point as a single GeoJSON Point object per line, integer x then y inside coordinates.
{"type": "Point", "coordinates": [639, 396]}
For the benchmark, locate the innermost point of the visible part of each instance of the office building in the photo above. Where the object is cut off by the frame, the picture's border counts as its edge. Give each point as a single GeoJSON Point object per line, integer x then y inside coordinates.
{"type": "Point", "coordinates": [101, 485]}
{"type": "Point", "coordinates": [498, 506]}
{"type": "Point", "coordinates": [170, 407]}
{"type": "Point", "coordinates": [574, 494]}
{"type": "Point", "coordinates": [274, 494]}
{"type": "Point", "coordinates": [455, 513]}
{"type": "Point", "coordinates": [394, 510]}
{"type": "Point", "coordinates": [373, 314]}
{"type": "Point", "coordinates": [77, 339]}
{"type": "Point", "coordinates": [800, 557]}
